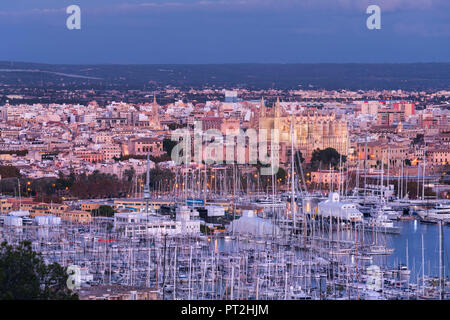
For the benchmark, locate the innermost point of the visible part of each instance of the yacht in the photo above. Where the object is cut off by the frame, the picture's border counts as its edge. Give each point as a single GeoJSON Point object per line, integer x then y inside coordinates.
{"type": "Point", "coordinates": [298, 294]}
{"type": "Point", "coordinates": [334, 208]}
{"type": "Point", "coordinates": [440, 212]}
{"type": "Point", "coordinates": [390, 213]}
{"type": "Point", "coordinates": [372, 295]}
{"type": "Point", "coordinates": [381, 223]}
{"type": "Point", "coordinates": [379, 250]}
{"type": "Point", "coordinates": [404, 272]}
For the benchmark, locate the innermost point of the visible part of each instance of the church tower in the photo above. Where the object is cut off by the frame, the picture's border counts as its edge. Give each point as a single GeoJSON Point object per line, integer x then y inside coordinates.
{"type": "Point", "coordinates": [277, 114]}
{"type": "Point", "coordinates": [277, 108]}
{"type": "Point", "coordinates": [155, 113]}
{"type": "Point", "coordinates": [262, 109]}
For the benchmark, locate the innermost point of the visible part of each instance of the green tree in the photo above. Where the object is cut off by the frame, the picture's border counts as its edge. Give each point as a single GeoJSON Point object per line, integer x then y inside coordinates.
{"type": "Point", "coordinates": [105, 211]}
{"type": "Point", "coordinates": [129, 174]}
{"type": "Point", "coordinates": [326, 157]}
{"type": "Point", "coordinates": [159, 177]}
{"type": "Point", "coordinates": [9, 172]}
{"type": "Point", "coordinates": [168, 145]}
{"type": "Point", "coordinates": [419, 139]}
{"type": "Point", "coordinates": [97, 185]}
{"type": "Point", "coordinates": [19, 153]}
{"type": "Point", "coordinates": [25, 276]}
{"type": "Point", "coordinates": [298, 159]}
{"type": "Point", "coordinates": [62, 182]}
{"type": "Point", "coordinates": [281, 175]}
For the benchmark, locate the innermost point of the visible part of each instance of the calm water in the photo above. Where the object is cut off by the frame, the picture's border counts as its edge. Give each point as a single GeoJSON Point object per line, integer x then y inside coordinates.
{"type": "Point", "coordinates": [411, 232]}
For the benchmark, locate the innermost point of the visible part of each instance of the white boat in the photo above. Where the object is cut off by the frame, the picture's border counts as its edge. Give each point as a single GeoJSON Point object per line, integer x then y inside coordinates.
{"type": "Point", "coordinates": [364, 257]}
{"type": "Point", "coordinates": [440, 212]}
{"type": "Point", "coordinates": [379, 250]}
{"type": "Point", "coordinates": [341, 252]}
{"type": "Point", "coordinates": [404, 272]}
{"type": "Point", "coordinates": [390, 213]}
{"type": "Point", "coordinates": [381, 223]}
{"type": "Point", "coordinates": [298, 294]}
{"type": "Point", "coordinates": [372, 295]}
{"type": "Point", "coordinates": [334, 208]}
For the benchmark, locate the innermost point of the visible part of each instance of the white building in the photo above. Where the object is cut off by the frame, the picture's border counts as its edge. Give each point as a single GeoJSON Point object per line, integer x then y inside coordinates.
{"type": "Point", "coordinates": [333, 207]}
{"type": "Point", "coordinates": [47, 220]}
{"type": "Point", "coordinates": [12, 221]}
{"type": "Point", "coordinates": [251, 224]}
{"type": "Point", "coordinates": [19, 213]}
{"type": "Point", "coordinates": [140, 224]}
{"type": "Point", "coordinates": [215, 211]}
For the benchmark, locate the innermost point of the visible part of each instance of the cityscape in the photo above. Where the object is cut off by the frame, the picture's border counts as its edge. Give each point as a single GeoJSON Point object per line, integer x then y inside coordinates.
{"type": "Point", "coordinates": [296, 181]}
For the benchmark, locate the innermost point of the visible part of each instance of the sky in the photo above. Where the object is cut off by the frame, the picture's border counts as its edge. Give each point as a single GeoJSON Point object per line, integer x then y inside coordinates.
{"type": "Point", "coordinates": [224, 31]}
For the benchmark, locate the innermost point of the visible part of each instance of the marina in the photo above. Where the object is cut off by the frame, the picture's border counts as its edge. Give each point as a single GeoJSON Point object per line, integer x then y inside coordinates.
{"type": "Point", "coordinates": [319, 258]}
{"type": "Point", "coordinates": [278, 246]}
{"type": "Point", "coordinates": [296, 245]}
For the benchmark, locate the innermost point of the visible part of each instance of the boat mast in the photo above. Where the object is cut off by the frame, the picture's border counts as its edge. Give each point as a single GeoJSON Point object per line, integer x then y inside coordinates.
{"type": "Point", "coordinates": [423, 173]}
{"type": "Point", "coordinates": [205, 185]}
{"type": "Point", "coordinates": [407, 257]}
{"type": "Point", "coordinates": [418, 179]}
{"type": "Point", "coordinates": [147, 185]}
{"type": "Point", "coordinates": [401, 181]}
{"type": "Point", "coordinates": [381, 182]}
{"type": "Point", "coordinates": [234, 194]}
{"type": "Point", "coordinates": [292, 178]}
{"type": "Point", "coordinates": [340, 175]}
{"type": "Point", "coordinates": [441, 259]}
{"type": "Point", "coordinates": [388, 166]}
{"type": "Point", "coordinates": [357, 176]}
{"type": "Point", "coordinates": [423, 269]}
{"type": "Point", "coordinates": [365, 172]}
{"type": "Point", "coordinates": [406, 184]}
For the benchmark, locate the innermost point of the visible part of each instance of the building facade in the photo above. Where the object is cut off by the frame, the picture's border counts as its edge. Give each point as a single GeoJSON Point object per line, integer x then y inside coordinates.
{"type": "Point", "coordinates": [311, 130]}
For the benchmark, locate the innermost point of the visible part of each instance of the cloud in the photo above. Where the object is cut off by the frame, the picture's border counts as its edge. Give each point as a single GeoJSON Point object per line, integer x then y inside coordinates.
{"type": "Point", "coordinates": [31, 12]}
{"type": "Point", "coordinates": [345, 5]}
{"type": "Point", "coordinates": [422, 29]}
{"type": "Point", "coordinates": [120, 6]}
{"type": "Point", "coordinates": [385, 5]}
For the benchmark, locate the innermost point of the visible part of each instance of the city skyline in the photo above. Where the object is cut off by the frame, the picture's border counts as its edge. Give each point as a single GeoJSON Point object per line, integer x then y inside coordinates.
{"type": "Point", "coordinates": [236, 150]}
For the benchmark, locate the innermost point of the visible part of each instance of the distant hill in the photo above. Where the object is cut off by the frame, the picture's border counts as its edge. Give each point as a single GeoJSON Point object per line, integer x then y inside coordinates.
{"type": "Point", "coordinates": [351, 76]}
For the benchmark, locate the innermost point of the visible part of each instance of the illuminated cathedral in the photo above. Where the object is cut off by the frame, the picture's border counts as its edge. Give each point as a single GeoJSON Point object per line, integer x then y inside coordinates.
{"type": "Point", "coordinates": [154, 121]}
{"type": "Point", "coordinates": [312, 130]}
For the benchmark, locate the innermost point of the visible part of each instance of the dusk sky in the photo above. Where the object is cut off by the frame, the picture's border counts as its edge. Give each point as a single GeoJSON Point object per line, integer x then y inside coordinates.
{"type": "Point", "coordinates": [224, 31]}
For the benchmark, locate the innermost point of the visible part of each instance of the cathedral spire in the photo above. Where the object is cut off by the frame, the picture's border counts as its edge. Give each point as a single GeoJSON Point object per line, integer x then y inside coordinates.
{"type": "Point", "coordinates": [262, 108]}
{"type": "Point", "coordinates": [155, 112]}
{"type": "Point", "coordinates": [277, 108]}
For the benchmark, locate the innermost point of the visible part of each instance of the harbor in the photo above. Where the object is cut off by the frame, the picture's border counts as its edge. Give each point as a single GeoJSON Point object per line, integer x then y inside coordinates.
{"type": "Point", "coordinates": [318, 258]}
{"type": "Point", "coordinates": [296, 245]}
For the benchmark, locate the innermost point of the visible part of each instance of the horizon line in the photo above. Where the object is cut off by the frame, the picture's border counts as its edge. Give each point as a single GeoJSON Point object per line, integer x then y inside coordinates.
{"type": "Point", "coordinates": [228, 63]}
